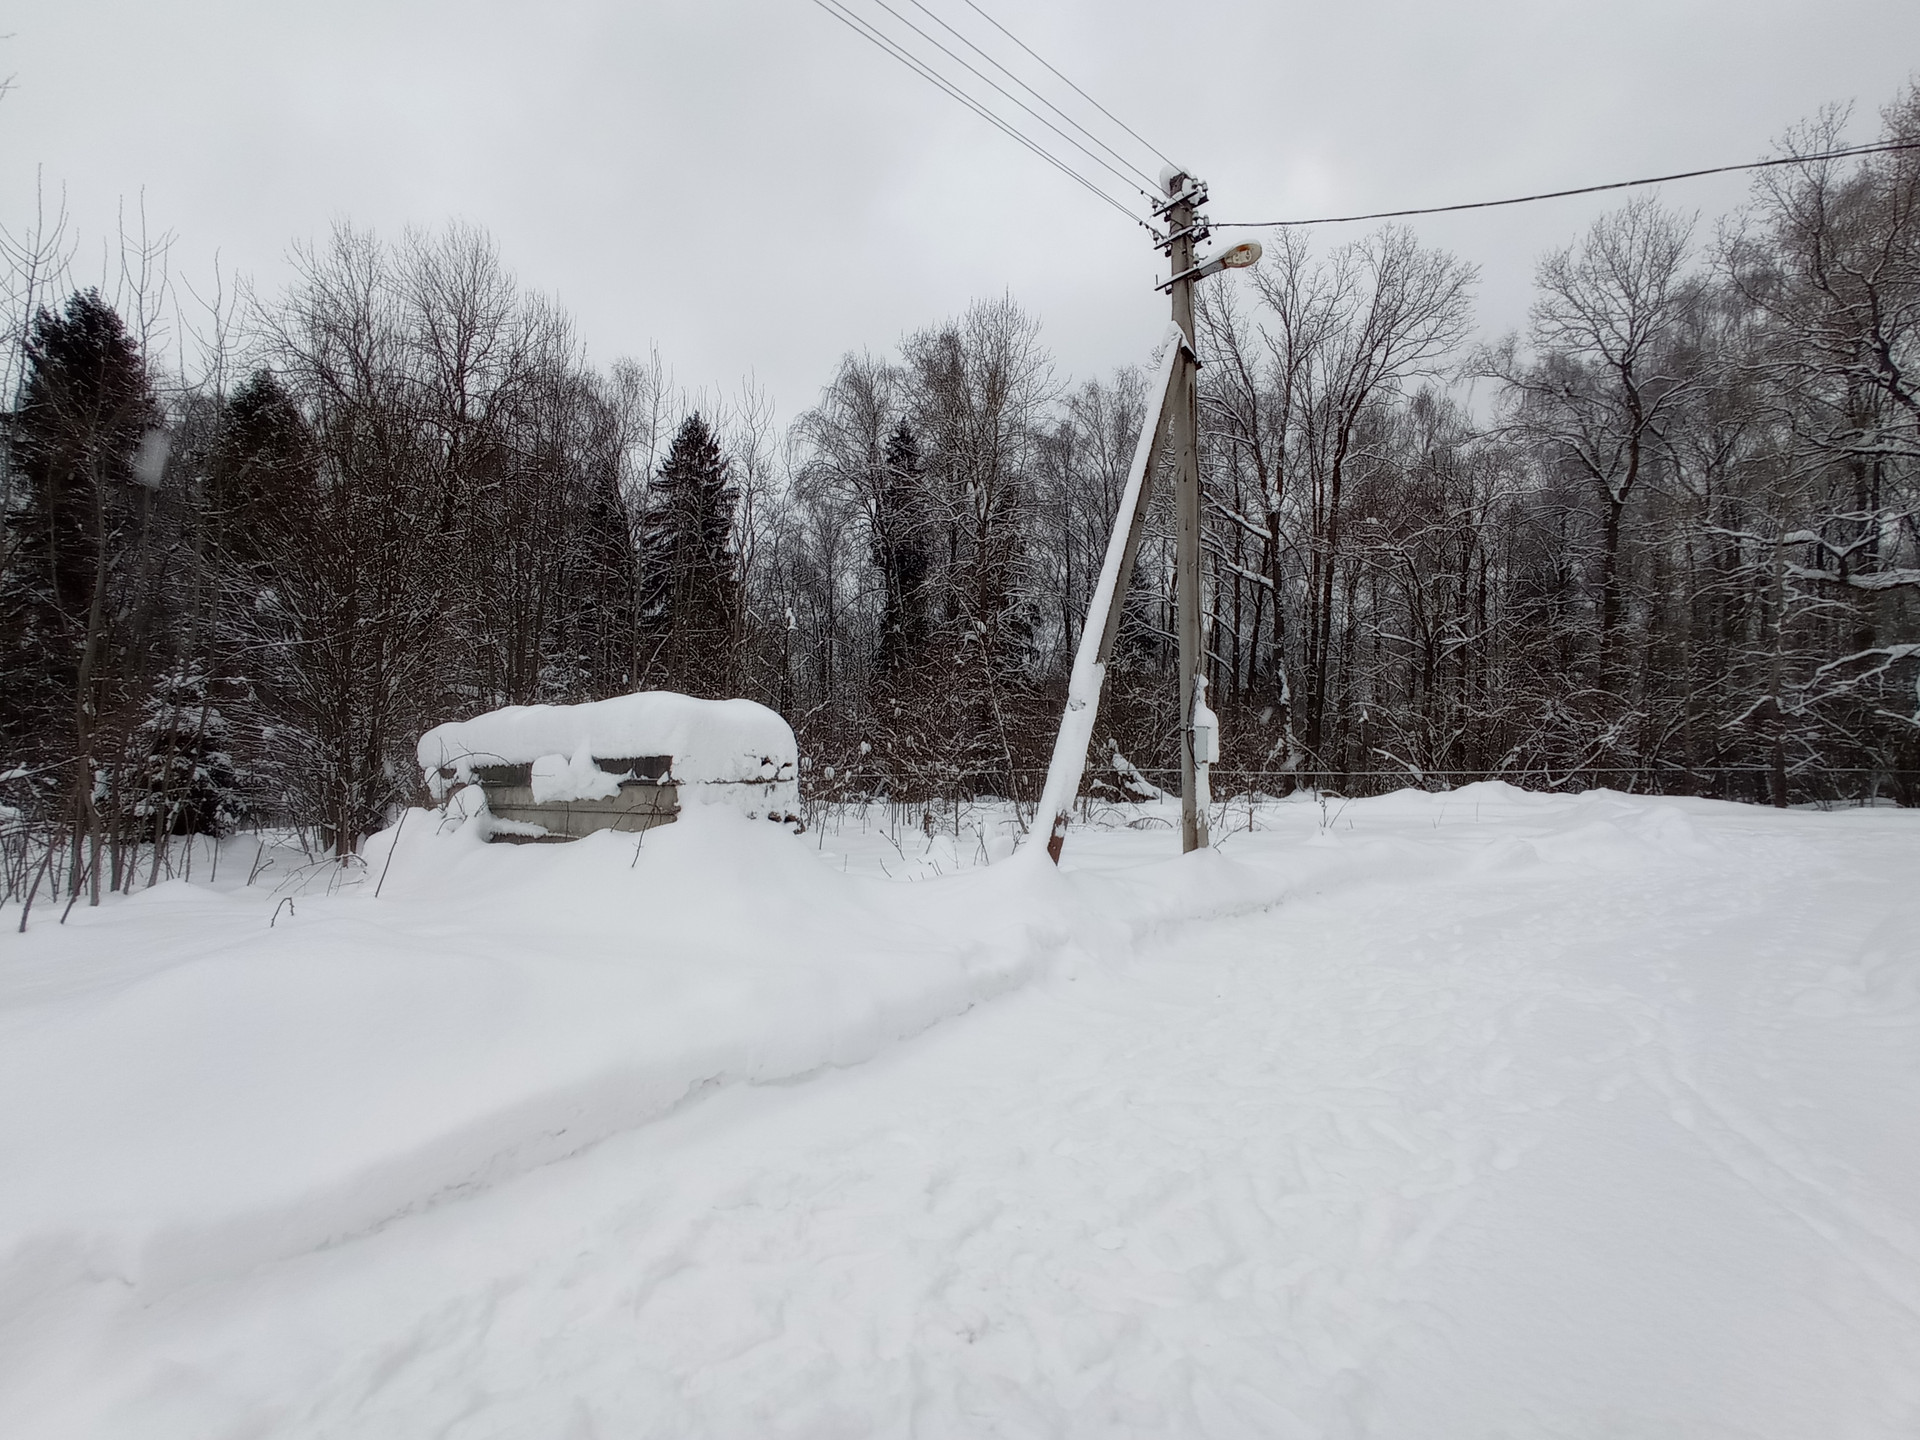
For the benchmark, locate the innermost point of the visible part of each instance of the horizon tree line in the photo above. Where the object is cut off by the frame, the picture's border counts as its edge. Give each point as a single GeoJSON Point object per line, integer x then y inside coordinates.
{"type": "Point", "coordinates": [1666, 538]}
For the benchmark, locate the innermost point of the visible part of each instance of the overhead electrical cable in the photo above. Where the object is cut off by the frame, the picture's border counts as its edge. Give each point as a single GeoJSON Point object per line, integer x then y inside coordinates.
{"type": "Point", "coordinates": [1068, 83]}
{"type": "Point", "coordinates": [914, 63]}
{"type": "Point", "coordinates": [1580, 190]}
{"type": "Point", "coordinates": [868, 32]}
{"type": "Point", "coordinates": [996, 63]}
{"type": "Point", "coordinates": [989, 80]}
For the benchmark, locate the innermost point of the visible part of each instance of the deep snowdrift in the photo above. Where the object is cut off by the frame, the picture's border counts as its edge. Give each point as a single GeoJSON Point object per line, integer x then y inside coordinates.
{"type": "Point", "coordinates": [249, 1085]}
{"type": "Point", "coordinates": [1518, 1112]}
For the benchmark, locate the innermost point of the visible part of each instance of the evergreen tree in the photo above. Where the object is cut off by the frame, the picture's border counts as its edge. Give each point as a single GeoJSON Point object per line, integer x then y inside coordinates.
{"type": "Point", "coordinates": [185, 782]}
{"type": "Point", "coordinates": [689, 591]}
{"type": "Point", "coordinates": [605, 584]}
{"type": "Point", "coordinates": [261, 474]}
{"type": "Point", "coordinates": [901, 554]}
{"type": "Point", "coordinates": [260, 511]}
{"type": "Point", "coordinates": [80, 493]}
{"type": "Point", "coordinates": [587, 653]}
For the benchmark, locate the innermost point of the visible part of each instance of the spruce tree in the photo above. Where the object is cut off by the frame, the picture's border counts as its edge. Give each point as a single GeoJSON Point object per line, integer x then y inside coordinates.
{"type": "Point", "coordinates": [259, 485]}
{"type": "Point", "coordinates": [900, 553]}
{"type": "Point", "coordinates": [262, 519]}
{"type": "Point", "coordinates": [78, 494]}
{"type": "Point", "coordinates": [588, 648]}
{"type": "Point", "coordinates": [689, 589]}
{"type": "Point", "coordinates": [184, 780]}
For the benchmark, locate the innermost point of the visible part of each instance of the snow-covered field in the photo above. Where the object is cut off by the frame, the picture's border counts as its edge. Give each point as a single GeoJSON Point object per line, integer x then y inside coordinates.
{"type": "Point", "coordinates": [1480, 1114]}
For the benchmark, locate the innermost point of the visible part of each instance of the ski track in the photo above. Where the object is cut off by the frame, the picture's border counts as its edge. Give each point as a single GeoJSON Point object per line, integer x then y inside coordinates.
{"type": "Point", "coordinates": [1256, 1179]}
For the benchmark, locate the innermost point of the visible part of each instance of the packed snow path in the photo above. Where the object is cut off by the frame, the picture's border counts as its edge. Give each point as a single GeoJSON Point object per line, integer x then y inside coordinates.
{"type": "Point", "coordinates": [1610, 1129]}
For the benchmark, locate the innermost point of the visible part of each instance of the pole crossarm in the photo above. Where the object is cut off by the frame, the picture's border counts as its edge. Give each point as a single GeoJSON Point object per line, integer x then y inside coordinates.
{"type": "Point", "coordinates": [1188, 191]}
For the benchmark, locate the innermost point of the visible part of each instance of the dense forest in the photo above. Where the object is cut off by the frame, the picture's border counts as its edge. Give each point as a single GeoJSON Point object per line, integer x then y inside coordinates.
{"type": "Point", "coordinates": [1665, 538]}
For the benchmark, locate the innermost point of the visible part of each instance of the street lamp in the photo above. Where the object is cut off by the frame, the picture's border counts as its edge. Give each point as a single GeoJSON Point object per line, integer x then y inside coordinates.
{"type": "Point", "coordinates": [1239, 257]}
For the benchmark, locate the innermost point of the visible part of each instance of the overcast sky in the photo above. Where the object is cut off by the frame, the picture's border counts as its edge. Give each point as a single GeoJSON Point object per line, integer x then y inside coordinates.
{"type": "Point", "coordinates": [756, 190]}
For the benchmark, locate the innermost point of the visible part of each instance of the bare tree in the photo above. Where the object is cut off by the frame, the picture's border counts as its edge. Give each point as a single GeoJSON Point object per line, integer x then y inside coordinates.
{"type": "Point", "coordinates": [1344, 337]}
{"type": "Point", "coordinates": [1600, 384]}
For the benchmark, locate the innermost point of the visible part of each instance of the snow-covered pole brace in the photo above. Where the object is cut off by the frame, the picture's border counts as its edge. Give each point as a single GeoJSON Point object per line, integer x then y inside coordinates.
{"type": "Point", "coordinates": [1104, 610]}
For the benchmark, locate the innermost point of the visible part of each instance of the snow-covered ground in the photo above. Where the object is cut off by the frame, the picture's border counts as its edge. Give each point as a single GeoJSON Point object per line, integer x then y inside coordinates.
{"type": "Point", "coordinates": [1475, 1114]}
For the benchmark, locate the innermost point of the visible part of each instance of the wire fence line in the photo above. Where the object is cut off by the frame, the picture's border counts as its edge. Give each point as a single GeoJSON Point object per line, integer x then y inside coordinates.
{"type": "Point", "coordinates": [1744, 783]}
{"type": "Point", "coordinates": [984, 821]}
{"type": "Point", "coordinates": [34, 872]}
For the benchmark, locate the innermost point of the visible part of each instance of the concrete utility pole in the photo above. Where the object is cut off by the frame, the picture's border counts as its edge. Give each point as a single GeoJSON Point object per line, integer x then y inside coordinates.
{"type": "Point", "coordinates": [1185, 226]}
{"type": "Point", "coordinates": [1172, 419]}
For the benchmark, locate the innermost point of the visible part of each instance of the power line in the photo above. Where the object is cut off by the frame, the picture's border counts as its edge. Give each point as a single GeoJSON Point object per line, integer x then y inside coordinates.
{"type": "Point", "coordinates": [925, 72]}
{"type": "Point", "coordinates": [991, 60]}
{"type": "Point", "coordinates": [1068, 83]}
{"type": "Point", "coordinates": [989, 80]}
{"type": "Point", "coordinates": [869, 32]}
{"type": "Point", "coordinates": [1582, 190]}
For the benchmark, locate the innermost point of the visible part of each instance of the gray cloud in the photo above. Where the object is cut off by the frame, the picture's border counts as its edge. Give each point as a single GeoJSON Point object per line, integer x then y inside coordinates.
{"type": "Point", "coordinates": [749, 185]}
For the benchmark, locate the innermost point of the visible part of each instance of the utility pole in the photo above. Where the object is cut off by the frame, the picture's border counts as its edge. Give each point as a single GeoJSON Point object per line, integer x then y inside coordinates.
{"type": "Point", "coordinates": [1172, 419]}
{"type": "Point", "coordinates": [1185, 226]}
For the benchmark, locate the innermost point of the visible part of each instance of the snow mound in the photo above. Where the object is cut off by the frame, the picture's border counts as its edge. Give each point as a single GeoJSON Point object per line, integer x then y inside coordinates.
{"type": "Point", "coordinates": [272, 1089]}
{"type": "Point", "coordinates": [1596, 1107]}
{"type": "Point", "coordinates": [574, 777]}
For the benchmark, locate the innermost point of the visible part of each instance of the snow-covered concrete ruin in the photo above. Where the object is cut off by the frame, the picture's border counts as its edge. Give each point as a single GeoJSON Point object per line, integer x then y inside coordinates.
{"type": "Point", "coordinates": [543, 773]}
